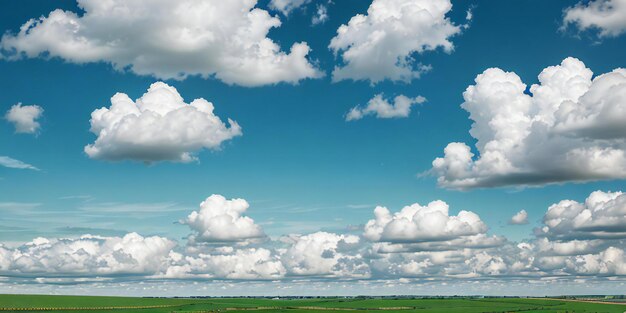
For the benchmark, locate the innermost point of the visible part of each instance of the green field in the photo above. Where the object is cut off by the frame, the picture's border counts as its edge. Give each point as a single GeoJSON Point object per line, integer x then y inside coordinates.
{"type": "Point", "coordinates": [36, 303]}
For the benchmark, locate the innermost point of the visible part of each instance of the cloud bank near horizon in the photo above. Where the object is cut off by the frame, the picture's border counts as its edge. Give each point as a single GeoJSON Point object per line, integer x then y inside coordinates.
{"type": "Point", "coordinates": [418, 243]}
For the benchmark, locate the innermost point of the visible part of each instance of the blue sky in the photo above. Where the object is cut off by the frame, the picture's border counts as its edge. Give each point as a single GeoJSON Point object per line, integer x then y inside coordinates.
{"type": "Point", "coordinates": [302, 167]}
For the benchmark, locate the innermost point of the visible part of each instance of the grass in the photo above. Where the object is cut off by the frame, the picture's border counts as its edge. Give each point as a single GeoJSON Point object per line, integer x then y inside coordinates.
{"type": "Point", "coordinates": [38, 303]}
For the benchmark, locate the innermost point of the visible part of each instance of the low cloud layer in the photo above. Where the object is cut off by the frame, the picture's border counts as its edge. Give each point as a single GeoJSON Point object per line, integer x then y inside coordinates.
{"type": "Point", "coordinates": [601, 216]}
{"type": "Point", "coordinates": [87, 256]}
{"type": "Point", "coordinates": [325, 254]}
{"type": "Point", "coordinates": [382, 44]}
{"type": "Point", "coordinates": [418, 244]}
{"type": "Point", "coordinates": [159, 126]}
{"type": "Point", "coordinates": [167, 39]}
{"type": "Point", "coordinates": [225, 263]}
{"type": "Point", "coordinates": [569, 128]}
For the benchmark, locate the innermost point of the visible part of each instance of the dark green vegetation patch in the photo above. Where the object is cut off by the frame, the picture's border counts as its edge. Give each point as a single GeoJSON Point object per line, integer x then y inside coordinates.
{"type": "Point", "coordinates": [37, 303]}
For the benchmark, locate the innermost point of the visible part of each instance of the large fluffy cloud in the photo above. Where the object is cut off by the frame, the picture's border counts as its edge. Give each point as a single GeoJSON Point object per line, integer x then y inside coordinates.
{"type": "Point", "coordinates": [576, 240]}
{"type": "Point", "coordinates": [325, 254]}
{"type": "Point", "coordinates": [24, 118]}
{"type": "Point", "coordinates": [569, 128]}
{"type": "Point", "coordinates": [450, 264]}
{"type": "Point", "coordinates": [607, 16]}
{"type": "Point", "coordinates": [87, 255]}
{"type": "Point", "coordinates": [382, 44]}
{"type": "Point", "coordinates": [426, 241]}
{"type": "Point", "coordinates": [416, 223]}
{"type": "Point", "coordinates": [159, 126]}
{"type": "Point", "coordinates": [222, 220]}
{"type": "Point", "coordinates": [583, 239]}
{"type": "Point", "coordinates": [579, 258]}
{"type": "Point", "coordinates": [602, 215]}
{"type": "Point", "coordinates": [226, 263]}
{"type": "Point", "coordinates": [167, 39]}
{"type": "Point", "coordinates": [382, 108]}
{"type": "Point", "coordinates": [610, 262]}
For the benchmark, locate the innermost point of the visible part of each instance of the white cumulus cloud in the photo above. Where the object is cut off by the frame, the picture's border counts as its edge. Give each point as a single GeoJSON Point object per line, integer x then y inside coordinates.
{"type": "Point", "coordinates": [226, 263]}
{"type": "Point", "coordinates": [607, 16]}
{"type": "Point", "coordinates": [159, 126]}
{"type": "Point", "coordinates": [611, 261]}
{"type": "Point", "coordinates": [520, 218]}
{"type": "Point", "coordinates": [222, 220]}
{"type": "Point", "coordinates": [602, 215]}
{"type": "Point", "coordinates": [416, 223]}
{"type": "Point", "coordinates": [382, 44]}
{"type": "Point", "coordinates": [24, 118]}
{"type": "Point", "coordinates": [87, 256]}
{"type": "Point", "coordinates": [452, 264]}
{"type": "Point", "coordinates": [576, 240]}
{"type": "Point", "coordinates": [382, 108]}
{"type": "Point", "coordinates": [167, 39]}
{"type": "Point", "coordinates": [569, 128]}
{"type": "Point", "coordinates": [325, 254]}
{"type": "Point", "coordinates": [479, 241]}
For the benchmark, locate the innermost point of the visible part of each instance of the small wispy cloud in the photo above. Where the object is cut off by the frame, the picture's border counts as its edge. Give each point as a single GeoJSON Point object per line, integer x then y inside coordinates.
{"type": "Point", "coordinates": [360, 206]}
{"type": "Point", "coordinates": [134, 207]}
{"type": "Point", "coordinates": [321, 15]}
{"type": "Point", "coordinates": [77, 197]}
{"type": "Point", "coordinates": [13, 163]}
{"type": "Point", "coordinates": [18, 205]}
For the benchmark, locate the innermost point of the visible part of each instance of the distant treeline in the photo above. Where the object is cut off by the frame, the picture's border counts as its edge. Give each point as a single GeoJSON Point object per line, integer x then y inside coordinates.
{"type": "Point", "coordinates": [401, 297]}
